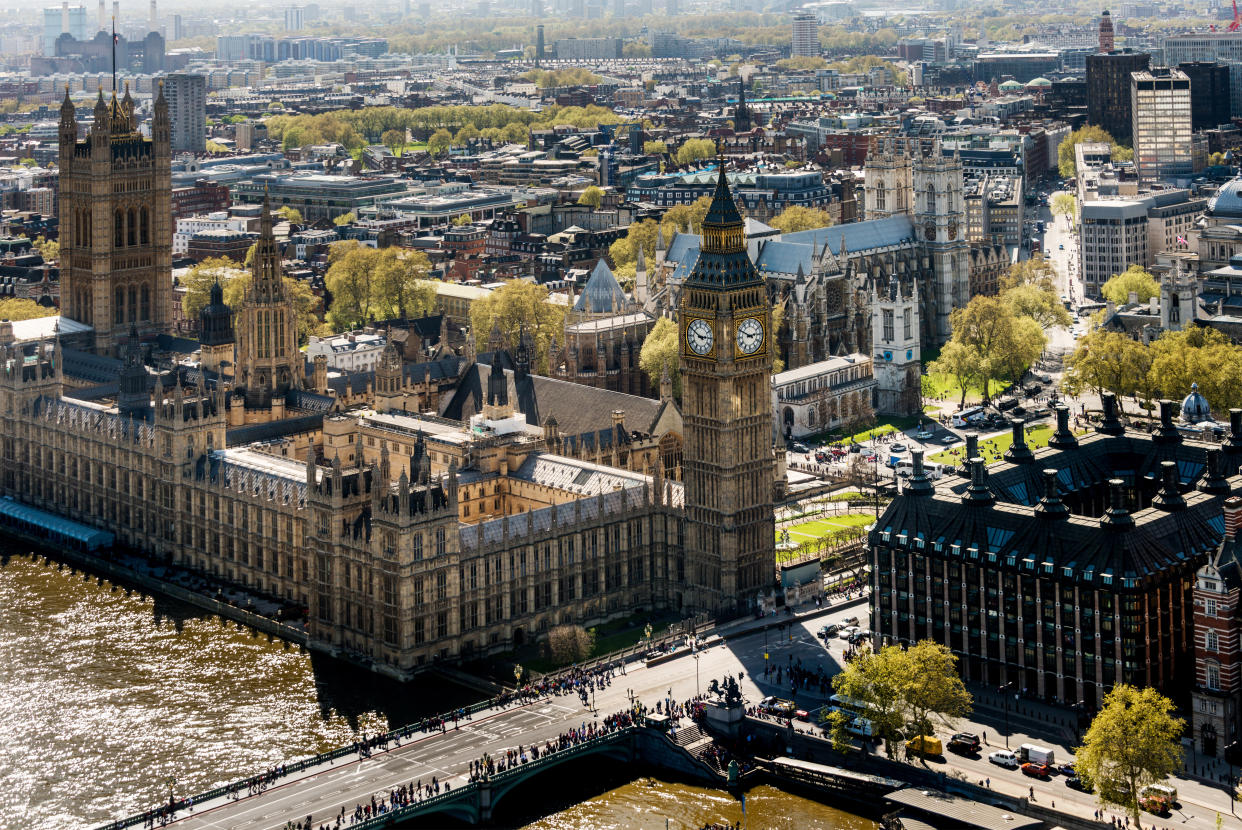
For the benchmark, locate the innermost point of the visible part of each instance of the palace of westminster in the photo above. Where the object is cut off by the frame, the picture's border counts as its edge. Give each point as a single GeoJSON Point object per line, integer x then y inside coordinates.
{"type": "Point", "coordinates": [447, 510]}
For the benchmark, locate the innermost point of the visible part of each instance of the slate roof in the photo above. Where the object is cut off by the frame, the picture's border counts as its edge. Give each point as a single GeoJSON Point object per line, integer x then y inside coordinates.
{"type": "Point", "coordinates": [1008, 534]}
{"type": "Point", "coordinates": [780, 257]}
{"type": "Point", "coordinates": [271, 430]}
{"type": "Point", "coordinates": [604, 292]}
{"type": "Point", "coordinates": [859, 236]}
{"type": "Point", "coordinates": [578, 409]}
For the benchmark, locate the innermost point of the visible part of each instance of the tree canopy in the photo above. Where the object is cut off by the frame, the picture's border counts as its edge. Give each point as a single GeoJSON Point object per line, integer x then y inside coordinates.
{"type": "Point", "coordinates": [798, 218]}
{"type": "Point", "coordinates": [1064, 204]}
{"type": "Point", "coordinates": [905, 691]}
{"type": "Point", "coordinates": [659, 352]}
{"type": "Point", "coordinates": [1134, 742]}
{"type": "Point", "coordinates": [694, 150]}
{"type": "Point", "coordinates": [1136, 279]}
{"type": "Point", "coordinates": [999, 342]}
{"type": "Point", "coordinates": [22, 309]}
{"type": "Point", "coordinates": [514, 307]}
{"type": "Point", "coordinates": [369, 284]}
{"type": "Point", "coordinates": [199, 279]}
{"type": "Point", "coordinates": [290, 214]}
{"type": "Point", "coordinates": [1067, 166]}
{"type": "Point", "coordinates": [592, 197]}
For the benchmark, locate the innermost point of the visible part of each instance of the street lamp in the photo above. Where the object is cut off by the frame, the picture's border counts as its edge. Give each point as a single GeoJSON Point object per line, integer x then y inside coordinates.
{"type": "Point", "coordinates": [517, 674]}
{"type": "Point", "coordinates": [1004, 692]}
{"type": "Point", "coordinates": [696, 674]}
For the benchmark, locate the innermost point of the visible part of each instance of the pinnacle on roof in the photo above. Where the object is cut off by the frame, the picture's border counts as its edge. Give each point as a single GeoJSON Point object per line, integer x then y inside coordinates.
{"type": "Point", "coordinates": [723, 210]}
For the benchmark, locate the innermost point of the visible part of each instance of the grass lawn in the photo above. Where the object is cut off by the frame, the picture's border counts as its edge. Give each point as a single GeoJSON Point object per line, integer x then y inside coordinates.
{"type": "Point", "coordinates": [993, 448]}
{"type": "Point", "coordinates": [412, 147]}
{"type": "Point", "coordinates": [609, 637]}
{"type": "Point", "coordinates": [944, 387]}
{"type": "Point", "coordinates": [828, 526]}
{"type": "Point", "coordinates": [888, 426]}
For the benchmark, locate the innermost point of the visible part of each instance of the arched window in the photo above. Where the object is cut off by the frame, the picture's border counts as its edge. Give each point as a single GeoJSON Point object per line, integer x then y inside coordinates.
{"type": "Point", "coordinates": [879, 196]}
{"type": "Point", "coordinates": [118, 233]}
{"type": "Point", "coordinates": [133, 304]}
{"type": "Point", "coordinates": [1213, 675]}
{"type": "Point", "coordinates": [1213, 641]}
{"type": "Point", "coordinates": [131, 234]}
{"type": "Point", "coordinates": [146, 301]}
{"type": "Point", "coordinates": [145, 227]}
{"type": "Point", "coordinates": [118, 314]}
{"type": "Point", "coordinates": [931, 199]}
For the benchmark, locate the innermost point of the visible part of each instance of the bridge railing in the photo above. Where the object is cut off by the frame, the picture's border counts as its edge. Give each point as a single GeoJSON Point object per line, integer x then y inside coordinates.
{"type": "Point", "coordinates": [244, 784]}
{"type": "Point", "coordinates": [410, 810]}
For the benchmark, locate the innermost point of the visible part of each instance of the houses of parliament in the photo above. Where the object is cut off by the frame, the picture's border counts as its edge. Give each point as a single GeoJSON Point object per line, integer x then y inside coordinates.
{"type": "Point", "coordinates": [433, 514]}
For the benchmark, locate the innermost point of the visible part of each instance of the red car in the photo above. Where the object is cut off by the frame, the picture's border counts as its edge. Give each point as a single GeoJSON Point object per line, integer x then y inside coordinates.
{"type": "Point", "coordinates": [1036, 770]}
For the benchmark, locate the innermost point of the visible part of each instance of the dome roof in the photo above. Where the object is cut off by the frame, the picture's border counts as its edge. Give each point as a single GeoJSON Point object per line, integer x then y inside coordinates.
{"type": "Point", "coordinates": [1195, 407]}
{"type": "Point", "coordinates": [1042, 83]}
{"type": "Point", "coordinates": [1227, 202]}
{"type": "Point", "coordinates": [1011, 85]}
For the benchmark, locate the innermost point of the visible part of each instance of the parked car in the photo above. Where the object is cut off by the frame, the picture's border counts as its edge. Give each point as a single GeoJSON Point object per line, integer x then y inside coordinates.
{"type": "Point", "coordinates": [828, 631]}
{"type": "Point", "coordinates": [800, 447]}
{"type": "Point", "coordinates": [898, 448]}
{"type": "Point", "coordinates": [849, 632]}
{"type": "Point", "coordinates": [1036, 770]}
{"type": "Point", "coordinates": [923, 434]}
{"type": "Point", "coordinates": [965, 743]}
{"type": "Point", "coordinates": [1067, 769]}
{"type": "Point", "coordinates": [949, 439]}
{"type": "Point", "coordinates": [850, 621]}
{"type": "Point", "coordinates": [1003, 758]}
{"type": "Point", "coordinates": [1076, 783]}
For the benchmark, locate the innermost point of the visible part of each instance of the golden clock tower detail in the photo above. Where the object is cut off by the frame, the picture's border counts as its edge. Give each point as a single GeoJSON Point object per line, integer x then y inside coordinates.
{"type": "Point", "coordinates": [726, 369]}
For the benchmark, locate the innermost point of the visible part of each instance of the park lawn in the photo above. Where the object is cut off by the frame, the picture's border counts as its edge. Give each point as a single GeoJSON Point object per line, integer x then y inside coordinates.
{"type": "Point", "coordinates": [810, 531]}
{"type": "Point", "coordinates": [412, 147]}
{"type": "Point", "coordinates": [939, 386]}
{"type": "Point", "coordinates": [994, 448]}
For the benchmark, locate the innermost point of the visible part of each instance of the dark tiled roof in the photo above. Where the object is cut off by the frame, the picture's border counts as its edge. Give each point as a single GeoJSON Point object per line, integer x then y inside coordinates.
{"type": "Point", "coordinates": [272, 429]}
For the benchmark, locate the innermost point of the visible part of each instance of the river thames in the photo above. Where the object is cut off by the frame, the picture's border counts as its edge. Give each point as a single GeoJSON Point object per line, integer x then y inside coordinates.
{"type": "Point", "coordinates": [107, 696]}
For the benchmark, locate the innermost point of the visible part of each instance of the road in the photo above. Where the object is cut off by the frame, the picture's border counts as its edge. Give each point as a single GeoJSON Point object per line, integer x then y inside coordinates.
{"type": "Point", "coordinates": [1059, 232]}
{"type": "Point", "coordinates": [323, 794]}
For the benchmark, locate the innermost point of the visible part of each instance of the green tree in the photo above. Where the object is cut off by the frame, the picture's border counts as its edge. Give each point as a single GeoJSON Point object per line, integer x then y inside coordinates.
{"type": "Point", "coordinates": [516, 133]}
{"type": "Point", "coordinates": [694, 150]}
{"type": "Point", "coordinates": [592, 197]}
{"type": "Point", "coordinates": [439, 142]}
{"type": "Point", "coordinates": [1064, 204]}
{"type": "Point", "coordinates": [1004, 344]}
{"type": "Point", "coordinates": [22, 309]}
{"type": "Point", "coordinates": [801, 63]}
{"type": "Point", "coordinates": [877, 680]}
{"type": "Point", "coordinates": [515, 306]}
{"type": "Point", "coordinates": [685, 218]}
{"type": "Point", "coordinates": [290, 214]}
{"type": "Point", "coordinates": [199, 279]}
{"type": "Point", "coordinates": [798, 218]}
{"type": "Point", "coordinates": [461, 220]}
{"type": "Point", "coordinates": [1134, 742]}
{"type": "Point", "coordinates": [1134, 279]}
{"type": "Point", "coordinates": [960, 362]}
{"type": "Point", "coordinates": [1107, 361]}
{"type": "Point", "coordinates": [394, 140]}
{"type": "Point", "coordinates": [345, 219]}
{"type": "Point", "coordinates": [660, 352]}
{"type": "Point", "coordinates": [47, 248]}
{"type": "Point", "coordinates": [1030, 288]}
{"type": "Point", "coordinates": [465, 135]}
{"type": "Point", "coordinates": [401, 286]}
{"type": "Point", "coordinates": [654, 148]}
{"type": "Point", "coordinates": [933, 693]}
{"type": "Point", "coordinates": [1067, 165]}
{"type": "Point", "coordinates": [625, 249]}
{"type": "Point", "coordinates": [350, 279]}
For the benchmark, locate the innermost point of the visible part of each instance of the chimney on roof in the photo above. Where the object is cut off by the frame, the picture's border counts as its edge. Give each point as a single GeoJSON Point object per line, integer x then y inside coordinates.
{"type": "Point", "coordinates": [918, 484]}
{"type": "Point", "coordinates": [972, 450]}
{"type": "Point", "coordinates": [1233, 516]}
{"type": "Point", "coordinates": [1063, 438]}
{"type": "Point", "coordinates": [1051, 506]}
{"type": "Point", "coordinates": [1214, 480]}
{"type": "Point", "coordinates": [1167, 432]}
{"type": "Point", "coordinates": [978, 493]}
{"type": "Point", "coordinates": [1117, 516]}
{"type": "Point", "coordinates": [1170, 496]}
{"type": "Point", "coordinates": [1110, 423]}
{"type": "Point", "coordinates": [1019, 452]}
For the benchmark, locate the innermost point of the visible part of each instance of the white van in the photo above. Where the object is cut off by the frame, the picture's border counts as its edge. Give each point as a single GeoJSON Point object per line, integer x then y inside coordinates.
{"type": "Point", "coordinates": [1035, 754]}
{"type": "Point", "coordinates": [933, 469]}
{"type": "Point", "coordinates": [861, 728]}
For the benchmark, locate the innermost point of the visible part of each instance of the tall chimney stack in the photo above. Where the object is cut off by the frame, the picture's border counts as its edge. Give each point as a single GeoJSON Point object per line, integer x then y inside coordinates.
{"type": "Point", "coordinates": [153, 25]}
{"type": "Point", "coordinates": [116, 12]}
{"type": "Point", "coordinates": [64, 17]}
{"type": "Point", "coordinates": [1233, 516]}
{"type": "Point", "coordinates": [103, 16]}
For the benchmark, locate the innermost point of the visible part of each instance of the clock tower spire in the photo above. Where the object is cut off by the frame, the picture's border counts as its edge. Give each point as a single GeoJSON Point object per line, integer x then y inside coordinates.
{"type": "Point", "coordinates": [726, 370]}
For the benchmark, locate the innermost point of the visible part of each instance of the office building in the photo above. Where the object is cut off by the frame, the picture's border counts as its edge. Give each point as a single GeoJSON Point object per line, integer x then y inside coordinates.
{"type": "Point", "coordinates": [187, 108]}
{"type": "Point", "coordinates": [295, 19]}
{"type": "Point", "coordinates": [588, 48]}
{"type": "Point", "coordinates": [1224, 48]}
{"type": "Point", "coordinates": [1108, 91]}
{"type": "Point", "coordinates": [1063, 583]}
{"type": "Point", "coordinates": [1160, 100]}
{"type": "Point", "coordinates": [1120, 232]}
{"type": "Point", "coordinates": [805, 35]}
{"type": "Point", "coordinates": [1209, 94]}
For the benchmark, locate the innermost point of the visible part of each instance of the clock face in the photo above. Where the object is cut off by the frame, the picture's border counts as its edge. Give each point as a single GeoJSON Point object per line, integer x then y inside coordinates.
{"type": "Point", "coordinates": [929, 230]}
{"type": "Point", "coordinates": [749, 335]}
{"type": "Point", "coordinates": [699, 336]}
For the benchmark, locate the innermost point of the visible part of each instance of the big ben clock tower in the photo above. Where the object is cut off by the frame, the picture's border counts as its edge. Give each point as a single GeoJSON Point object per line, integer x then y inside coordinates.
{"type": "Point", "coordinates": [726, 368]}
